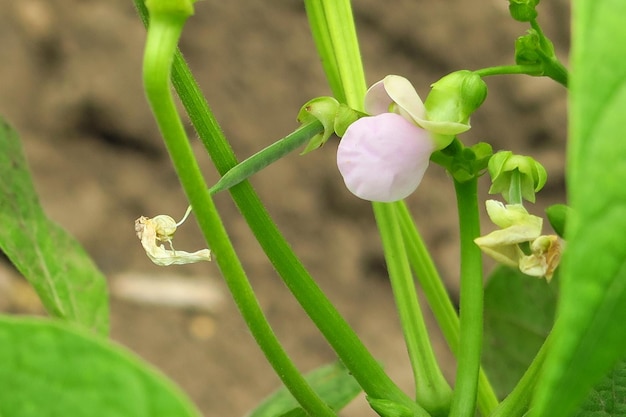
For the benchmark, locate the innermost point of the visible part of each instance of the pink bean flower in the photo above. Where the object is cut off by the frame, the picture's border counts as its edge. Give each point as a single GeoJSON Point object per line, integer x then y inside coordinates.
{"type": "Point", "coordinates": [383, 157]}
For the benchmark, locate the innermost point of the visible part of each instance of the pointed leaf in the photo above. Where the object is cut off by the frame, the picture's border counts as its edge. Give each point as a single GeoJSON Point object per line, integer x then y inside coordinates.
{"type": "Point", "coordinates": [333, 383]}
{"type": "Point", "coordinates": [65, 278]}
{"type": "Point", "coordinates": [53, 368]}
{"type": "Point", "coordinates": [589, 335]}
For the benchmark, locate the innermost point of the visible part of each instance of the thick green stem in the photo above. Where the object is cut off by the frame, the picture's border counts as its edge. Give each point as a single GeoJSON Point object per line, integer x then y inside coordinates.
{"type": "Point", "coordinates": [161, 42]}
{"type": "Point", "coordinates": [471, 301]}
{"type": "Point", "coordinates": [432, 390]}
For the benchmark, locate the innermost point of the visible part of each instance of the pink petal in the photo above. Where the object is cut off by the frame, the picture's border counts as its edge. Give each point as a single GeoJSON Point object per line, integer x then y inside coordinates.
{"type": "Point", "coordinates": [383, 158]}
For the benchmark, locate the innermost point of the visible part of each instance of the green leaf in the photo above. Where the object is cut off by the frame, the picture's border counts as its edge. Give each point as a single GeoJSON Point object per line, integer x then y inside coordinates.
{"type": "Point", "coordinates": [608, 398]}
{"type": "Point", "coordinates": [65, 278]}
{"type": "Point", "coordinates": [53, 368]}
{"type": "Point", "coordinates": [589, 335]}
{"type": "Point", "coordinates": [519, 313]}
{"type": "Point", "coordinates": [333, 383]}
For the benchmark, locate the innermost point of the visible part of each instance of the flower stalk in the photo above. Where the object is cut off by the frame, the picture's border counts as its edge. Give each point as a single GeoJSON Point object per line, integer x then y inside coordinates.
{"type": "Point", "coordinates": [162, 38]}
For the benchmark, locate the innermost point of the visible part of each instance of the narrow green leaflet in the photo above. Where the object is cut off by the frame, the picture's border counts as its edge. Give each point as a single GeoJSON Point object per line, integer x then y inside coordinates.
{"type": "Point", "coordinates": [333, 383]}
{"type": "Point", "coordinates": [67, 281]}
{"type": "Point", "coordinates": [54, 368]}
{"type": "Point", "coordinates": [519, 313]}
{"type": "Point", "coordinates": [589, 336]}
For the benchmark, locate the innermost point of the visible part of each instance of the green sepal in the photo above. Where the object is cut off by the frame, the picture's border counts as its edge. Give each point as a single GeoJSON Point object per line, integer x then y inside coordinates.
{"type": "Point", "coordinates": [335, 118]}
{"type": "Point", "coordinates": [344, 118]}
{"type": "Point", "coordinates": [464, 163]}
{"type": "Point", "coordinates": [533, 175]}
{"type": "Point", "coordinates": [523, 10]}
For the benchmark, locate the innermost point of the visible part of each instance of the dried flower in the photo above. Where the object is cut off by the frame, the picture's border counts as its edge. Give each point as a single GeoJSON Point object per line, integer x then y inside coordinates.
{"type": "Point", "coordinates": [518, 227]}
{"type": "Point", "coordinates": [155, 232]}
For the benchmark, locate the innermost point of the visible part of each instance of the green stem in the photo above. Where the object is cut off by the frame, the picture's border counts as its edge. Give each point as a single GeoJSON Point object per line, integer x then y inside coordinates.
{"type": "Point", "coordinates": [471, 301]}
{"type": "Point", "coordinates": [355, 356]}
{"type": "Point", "coordinates": [439, 300]}
{"type": "Point", "coordinates": [161, 42]}
{"type": "Point", "coordinates": [432, 390]}
{"type": "Point", "coordinates": [517, 402]}
{"type": "Point", "coordinates": [533, 70]}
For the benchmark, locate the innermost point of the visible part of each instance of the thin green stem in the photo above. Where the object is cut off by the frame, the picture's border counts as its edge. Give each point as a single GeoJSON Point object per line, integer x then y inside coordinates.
{"type": "Point", "coordinates": [533, 70]}
{"type": "Point", "coordinates": [432, 390]}
{"type": "Point", "coordinates": [471, 301]}
{"type": "Point", "coordinates": [439, 300]}
{"type": "Point", "coordinates": [161, 42]}
{"type": "Point", "coordinates": [355, 356]}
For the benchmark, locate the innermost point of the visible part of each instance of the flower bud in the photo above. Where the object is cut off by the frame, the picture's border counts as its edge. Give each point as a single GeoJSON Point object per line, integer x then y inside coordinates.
{"type": "Point", "coordinates": [384, 157]}
{"type": "Point", "coordinates": [523, 10]}
{"type": "Point", "coordinates": [532, 175]}
{"type": "Point", "coordinates": [455, 97]}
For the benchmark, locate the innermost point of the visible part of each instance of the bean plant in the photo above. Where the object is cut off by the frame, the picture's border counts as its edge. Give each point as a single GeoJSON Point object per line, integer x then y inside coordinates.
{"type": "Point", "coordinates": [565, 281]}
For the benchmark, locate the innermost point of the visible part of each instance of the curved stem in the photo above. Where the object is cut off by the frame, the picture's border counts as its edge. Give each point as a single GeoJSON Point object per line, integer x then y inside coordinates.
{"type": "Point", "coordinates": [161, 42]}
{"type": "Point", "coordinates": [471, 301]}
{"type": "Point", "coordinates": [432, 390]}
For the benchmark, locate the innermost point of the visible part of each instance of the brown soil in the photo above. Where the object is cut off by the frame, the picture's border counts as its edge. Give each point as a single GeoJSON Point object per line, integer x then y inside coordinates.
{"type": "Point", "coordinates": [72, 87]}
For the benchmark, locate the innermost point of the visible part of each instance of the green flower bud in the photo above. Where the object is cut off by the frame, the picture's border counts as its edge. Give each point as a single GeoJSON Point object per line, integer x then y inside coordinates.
{"type": "Point", "coordinates": [455, 97]}
{"type": "Point", "coordinates": [505, 169]}
{"type": "Point", "coordinates": [523, 10]}
{"type": "Point", "coordinates": [532, 49]}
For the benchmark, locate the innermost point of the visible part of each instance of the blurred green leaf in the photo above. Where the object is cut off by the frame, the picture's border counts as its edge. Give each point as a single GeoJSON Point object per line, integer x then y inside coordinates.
{"type": "Point", "coordinates": [519, 313]}
{"type": "Point", "coordinates": [333, 383]}
{"type": "Point", "coordinates": [65, 278]}
{"type": "Point", "coordinates": [589, 335]}
{"type": "Point", "coordinates": [53, 368]}
{"type": "Point", "coordinates": [608, 398]}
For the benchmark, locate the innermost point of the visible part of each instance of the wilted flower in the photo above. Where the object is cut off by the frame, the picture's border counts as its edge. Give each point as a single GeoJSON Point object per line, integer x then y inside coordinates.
{"type": "Point", "coordinates": [518, 228]}
{"type": "Point", "coordinates": [384, 157]}
{"type": "Point", "coordinates": [155, 232]}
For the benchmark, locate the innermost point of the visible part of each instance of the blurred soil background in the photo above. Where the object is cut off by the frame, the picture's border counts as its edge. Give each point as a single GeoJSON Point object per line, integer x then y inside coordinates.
{"type": "Point", "coordinates": [71, 85]}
